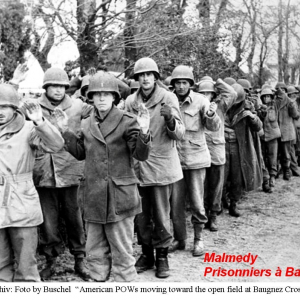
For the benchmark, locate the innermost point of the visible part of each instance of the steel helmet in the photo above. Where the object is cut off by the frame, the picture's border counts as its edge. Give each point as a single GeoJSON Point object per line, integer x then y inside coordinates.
{"type": "Point", "coordinates": [206, 86]}
{"type": "Point", "coordinates": [241, 95]}
{"type": "Point", "coordinates": [8, 95]}
{"type": "Point", "coordinates": [103, 82]}
{"type": "Point", "coordinates": [266, 91]}
{"type": "Point", "coordinates": [229, 80]}
{"type": "Point", "coordinates": [245, 84]}
{"type": "Point", "coordinates": [281, 85]}
{"type": "Point", "coordinates": [291, 90]}
{"type": "Point", "coordinates": [56, 76]}
{"type": "Point", "coordinates": [167, 81]}
{"type": "Point", "coordinates": [84, 84]}
{"type": "Point", "coordinates": [182, 72]}
{"type": "Point", "coordinates": [145, 64]}
{"type": "Point", "coordinates": [206, 78]}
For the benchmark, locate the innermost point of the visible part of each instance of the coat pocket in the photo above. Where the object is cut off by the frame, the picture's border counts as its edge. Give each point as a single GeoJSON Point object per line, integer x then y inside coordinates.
{"type": "Point", "coordinates": [191, 120]}
{"type": "Point", "coordinates": [272, 115]}
{"type": "Point", "coordinates": [126, 194]}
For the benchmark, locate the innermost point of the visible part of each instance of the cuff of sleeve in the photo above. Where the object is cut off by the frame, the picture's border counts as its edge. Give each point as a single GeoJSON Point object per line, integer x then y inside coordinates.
{"type": "Point", "coordinates": [145, 137]}
{"type": "Point", "coordinates": [41, 125]}
{"type": "Point", "coordinates": [212, 116]}
{"type": "Point", "coordinates": [171, 124]}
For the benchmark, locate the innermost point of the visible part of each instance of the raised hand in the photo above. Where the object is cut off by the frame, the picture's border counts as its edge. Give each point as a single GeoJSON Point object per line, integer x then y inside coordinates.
{"type": "Point", "coordinates": [167, 112]}
{"type": "Point", "coordinates": [34, 112]}
{"type": "Point", "coordinates": [248, 113]}
{"type": "Point", "coordinates": [20, 73]}
{"type": "Point", "coordinates": [61, 119]}
{"type": "Point", "coordinates": [212, 109]}
{"type": "Point", "coordinates": [143, 118]}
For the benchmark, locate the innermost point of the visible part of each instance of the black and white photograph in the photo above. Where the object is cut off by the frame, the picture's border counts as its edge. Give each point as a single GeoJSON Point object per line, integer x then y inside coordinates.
{"type": "Point", "coordinates": [149, 147]}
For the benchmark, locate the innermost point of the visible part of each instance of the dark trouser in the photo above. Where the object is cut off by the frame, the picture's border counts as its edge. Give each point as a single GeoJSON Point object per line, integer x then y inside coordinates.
{"type": "Point", "coordinates": [54, 201]}
{"type": "Point", "coordinates": [233, 172]}
{"type": "Point", "coordinates": [285, 154]}
{"type": "Point", "coordinates": [270, 151]}
{"type": "Point", "coordinates": [192, 184]}
{"type": "Point", "coordinates": [294, 162]}
{"type": "Point", "coordinates": [153, 224]}
{"type": "Point", "coordinates": [213, 188]}
{"type": "Point", "coordinates": [19, 244]}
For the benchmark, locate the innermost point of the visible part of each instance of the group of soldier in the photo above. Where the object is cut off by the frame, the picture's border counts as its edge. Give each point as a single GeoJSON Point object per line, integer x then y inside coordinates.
{"type": "Point", "coordinates": [136, 154]}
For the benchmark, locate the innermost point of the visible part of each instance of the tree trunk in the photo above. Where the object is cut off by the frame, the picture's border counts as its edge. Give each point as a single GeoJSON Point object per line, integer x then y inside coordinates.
{"type": "Point", "coordinates": [129, 37]}
{"type": "Point", "coordinates": [86, 36]}
{"type": "Point", "coordinates": [286, 55]}
{"type": "Point", "coordinates": [280, 36]}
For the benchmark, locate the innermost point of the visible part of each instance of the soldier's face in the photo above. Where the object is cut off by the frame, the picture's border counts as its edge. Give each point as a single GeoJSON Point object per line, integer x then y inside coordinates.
{"type": "Point", "coordinates": [103, 101]}
{"type": "Point", "coordinates": [56, 92]}
{"type": "Point", "coordinates": [182, 87]}
{"type": "Point", "coordinates": [6, 113]}
{"type": "Point", "coordinates": [266, 99]}
{"type": "Point", "coordinates": [147, 80]}
{"type": "Point", "coordinates": [293, 96]}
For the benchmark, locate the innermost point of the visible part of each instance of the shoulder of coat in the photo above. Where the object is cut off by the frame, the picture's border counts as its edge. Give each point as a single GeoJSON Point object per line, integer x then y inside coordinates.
{"type": "Point", "coordinates": [128, 114]}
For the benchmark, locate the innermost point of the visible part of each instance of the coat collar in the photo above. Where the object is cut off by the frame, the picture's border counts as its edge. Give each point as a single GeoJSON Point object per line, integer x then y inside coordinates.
{"type": "Point", "coordinates": [64, 104]}
{"type": "Point", "coordinates": [13, 126]}
{"type": "Point", "coordinates": [155, 98]}
{"type": "Point", "coordinates": [109, 124]}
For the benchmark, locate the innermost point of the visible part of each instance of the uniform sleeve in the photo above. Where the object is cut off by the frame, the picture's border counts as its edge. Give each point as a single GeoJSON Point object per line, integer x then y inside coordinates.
{"type": "Point", "coordinates": [46, 137]}
{"type": "Point", "coordinates": [293, 110]}
{"type": "Point", "coordinates": [211, 123]}
{"type": "Point", "coordinates": [179, 130]}
{"type": "Point", "coordinates": [139, 148]}
{"type": "Point", "coordinates": [255, 123]}
{"type": "Point", "coordinates": [74, 144]}
{"type": "Point", "coordinates": [227, 94]}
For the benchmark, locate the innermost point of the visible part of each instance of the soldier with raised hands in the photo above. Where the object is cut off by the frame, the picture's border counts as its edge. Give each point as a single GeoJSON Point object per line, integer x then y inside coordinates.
{"type": "Point", "coordinates": [158, 174]}
{"type": "Point", "coordinates": [198, 113]}
{"type": "Point", "coordinates": [20, 209]}
{"type": "Point", "coordinates": [108, 140]}
{"type": "Point", "coordinates": [57, 177]}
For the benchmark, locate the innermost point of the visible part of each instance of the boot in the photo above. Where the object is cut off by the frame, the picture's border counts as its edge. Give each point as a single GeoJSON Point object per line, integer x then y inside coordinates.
{"type": "Point", "coordinates": [49, 269]}
{"type": "Point", "coordinates": [80, 269]}
{"type": "Point", "coordinates": [295, 173]}
{"type": "Point", "coordinates": [162, 264]}
{"type": "Point", "coordinates": [198, 249]}
{"type": "Point", "coordinates": [286, 174]}
{"type": "Point", "coordinates": [146, 260]}
{"type": "Point", "coordinates": [177, 245]}
{"type": "Point", "coordinates": [213, 226]}
{"type": "Point", "coordinates": [279, 171]}
{"type": "Point", "coordinates": [225, 201]}
{"type": "Point", "coordinates": [266, 187]}
{"type": "Point", "coordinates": [272, 181]}
{"type": "Point", "coordinates": [233, 211]}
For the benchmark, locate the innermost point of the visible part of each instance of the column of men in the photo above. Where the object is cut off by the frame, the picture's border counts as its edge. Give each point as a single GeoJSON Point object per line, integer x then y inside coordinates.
{"type": "Point", "coordinates": [140, 154]}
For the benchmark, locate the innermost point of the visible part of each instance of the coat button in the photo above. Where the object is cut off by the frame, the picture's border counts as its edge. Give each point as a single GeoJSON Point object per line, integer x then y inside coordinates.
{"type": "Point", "coordinates": [105, 161]}
{"type": "Point", "coordinates": [105, 178]}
